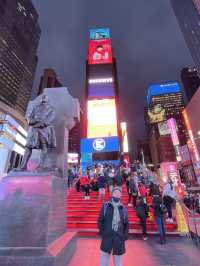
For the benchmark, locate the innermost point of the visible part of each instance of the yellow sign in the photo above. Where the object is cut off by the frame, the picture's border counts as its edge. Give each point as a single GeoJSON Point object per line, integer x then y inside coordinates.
{"type": "Point", "coordinates": [181, 221]}
{"type": "Point", "coordinates": [157, 114]}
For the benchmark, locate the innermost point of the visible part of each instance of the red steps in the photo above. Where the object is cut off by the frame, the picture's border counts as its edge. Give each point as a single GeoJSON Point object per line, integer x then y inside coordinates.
{"type": "Point", "coordinates": [82, 215]}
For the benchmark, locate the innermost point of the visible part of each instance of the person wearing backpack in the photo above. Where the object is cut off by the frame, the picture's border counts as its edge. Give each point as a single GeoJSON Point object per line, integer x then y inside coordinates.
{"type": "Point", "coordinates": [113, 227]}
{"type": "Point", "coordinates": [132, 191]}
{"type": "Point", "coordinates": [159, 213]}
{"type": "Point", "coordinates": [142, 211]}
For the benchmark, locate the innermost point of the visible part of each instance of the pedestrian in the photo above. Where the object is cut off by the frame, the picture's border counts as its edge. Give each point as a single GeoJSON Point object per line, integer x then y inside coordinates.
{"type": "Point", "coordinates": [132, 191]}
{"type": "Point", "coordinates": [113, 226]}
{"type": "Point", "coordinates": [85, 184]}
{"type": "Point", "coordinates": [118, 179]}
{"type": "Point", "coordinates": [159, 213]}
{"type": "Point", "coordinates": [101, 186]}
{"type": "Point", "coordinates": [111, 180]}
{"type": "Point", "coordinates": [169, 196]}
{"type": "Point", "coordinates": [153, 189]}
{"type": "Point", "coordinates": [142, 211]}
{"type": "Point", "coordinates": [70, 178]}
{"type": "Point", "coordinates": [142, 191]}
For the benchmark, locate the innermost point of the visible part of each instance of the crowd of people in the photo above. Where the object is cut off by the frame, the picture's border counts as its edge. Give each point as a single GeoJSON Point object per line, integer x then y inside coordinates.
{"type": "Point", "coordinates": [192, 201]}
{"type": "Point", "coordinates": [145, 196]}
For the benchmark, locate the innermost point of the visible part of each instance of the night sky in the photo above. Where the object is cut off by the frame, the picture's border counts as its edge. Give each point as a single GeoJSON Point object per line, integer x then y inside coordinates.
{"type": "Point", "coordinates": [147, 43]}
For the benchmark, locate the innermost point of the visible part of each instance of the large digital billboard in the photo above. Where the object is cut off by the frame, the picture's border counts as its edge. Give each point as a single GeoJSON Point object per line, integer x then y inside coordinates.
{"type": "Point", "coordinates": [156, 114]}
{"type": "Point", "coordinates": [99, 90]}
{"type": "Point", "coordinates": [102, 118]}
{"type": "Point", "coordinates": [159, 89]}
{"type": "Point", "coordinates": [99, 34]}
{"type": "Point", "coordinates": [100, 52]}
{"type": "Point", "coordinates": [95, 145]}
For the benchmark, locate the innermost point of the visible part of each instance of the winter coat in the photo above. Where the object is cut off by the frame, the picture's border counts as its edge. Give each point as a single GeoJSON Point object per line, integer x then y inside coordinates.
{"type": "Point", "coordinates": [118, 180]}
{"type": "Point", "coordinates": [84, 180]}
{"type": "Point", "coordinates": [112, 240]}
{"type": "Point", "coordinates": [101, 182]}
{"type": "Point", "coordinates": [142, 209]}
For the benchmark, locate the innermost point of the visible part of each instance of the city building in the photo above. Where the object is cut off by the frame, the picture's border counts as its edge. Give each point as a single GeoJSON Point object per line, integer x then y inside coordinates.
{"type": "Point", "coordinates": [192, 122]}
{"type": "Point", "coordinates": [19, 39]}
{"type": "Point", "coordinates": [102, 140]}
{"type": "Point", "coordinates": [13, 137]}
{"type": "Point", "coordinates": [48, 80]}
{"type": "Point", "coordinates": [190, 80]}
{"type": "Point", "coordinates": [143, 152]}
{"type": "Point", "coordinates": [165, 101]}
{"type": "Point", "coordinates": [188, 15]}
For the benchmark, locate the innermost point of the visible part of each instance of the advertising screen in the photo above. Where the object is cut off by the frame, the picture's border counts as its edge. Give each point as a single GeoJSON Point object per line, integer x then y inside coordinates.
{"type": "Point", "coordinates": [172, 128]}
{"type": "Point", "coordinates": [99, 34]}
{"type": "Point", "coordinates": [96, 145]}
{"type": "Point", "coordinates": [96, 90]}
{"type": "Point", "coordinates": [100, 52]}
{"type": "Point", "coordinates": [163, 128]}
{"type": "Point", "coordinates": [102, 118]}
{"type": "Point", "coordinates": [156, 114]}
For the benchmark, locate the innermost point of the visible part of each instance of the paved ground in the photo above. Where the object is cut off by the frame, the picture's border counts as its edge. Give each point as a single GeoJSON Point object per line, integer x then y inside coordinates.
{"type": "Point", "coordinates": [177, 252]}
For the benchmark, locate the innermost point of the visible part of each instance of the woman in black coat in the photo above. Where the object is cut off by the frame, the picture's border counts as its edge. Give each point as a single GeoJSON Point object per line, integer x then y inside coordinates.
{"type": "Point", "coordinates": [113, 226]}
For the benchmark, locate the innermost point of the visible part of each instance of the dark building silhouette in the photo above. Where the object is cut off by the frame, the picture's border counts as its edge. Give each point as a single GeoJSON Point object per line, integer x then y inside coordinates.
{"type": "Point", "coordinates": [190, 80]}
{"type": "Point", "coordinates": [188, 16]}
{"type": "Point", "coordinates": [19, 39]}
{"type": "Point", "coordinates": [48, 80]}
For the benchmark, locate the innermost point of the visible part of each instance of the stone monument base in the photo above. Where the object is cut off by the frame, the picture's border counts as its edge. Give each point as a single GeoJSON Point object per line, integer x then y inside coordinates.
{"type": "Point", "coordinates": [33, 221]}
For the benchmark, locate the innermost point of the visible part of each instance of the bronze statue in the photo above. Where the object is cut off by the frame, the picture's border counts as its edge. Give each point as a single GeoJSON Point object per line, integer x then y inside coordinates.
{"type": "Point", "coordinates": [41, 134]}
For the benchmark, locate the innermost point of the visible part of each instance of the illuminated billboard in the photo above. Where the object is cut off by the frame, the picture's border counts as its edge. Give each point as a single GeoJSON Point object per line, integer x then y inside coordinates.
{"type": "Point", "coordinates": [160, 89]}
{"type": "Point", "coordinates": [124, 137]}
{"type": "Point", "coordinates": [156, 114]}
{"type": "Point", "coordinates": [102, 118]}
{"type": "Point", "coordinates": [99, 34]}
{"type": "Point", "coordinates": [93, 145]}
{"type": "Point", "coordinates": [100, 52]}
{"type": "Point", "coordinates": [99, 90]}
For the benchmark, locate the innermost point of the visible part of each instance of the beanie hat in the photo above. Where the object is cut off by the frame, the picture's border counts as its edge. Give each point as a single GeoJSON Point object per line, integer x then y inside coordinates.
{"type": "Point", "coordinates": [116, 188]}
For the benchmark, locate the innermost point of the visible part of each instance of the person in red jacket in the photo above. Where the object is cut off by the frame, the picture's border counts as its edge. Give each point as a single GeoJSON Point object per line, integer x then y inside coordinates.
{"type": "Point", "coordinates": [142, 191]}
{"type": "Point", "coordinates": [85, 183]}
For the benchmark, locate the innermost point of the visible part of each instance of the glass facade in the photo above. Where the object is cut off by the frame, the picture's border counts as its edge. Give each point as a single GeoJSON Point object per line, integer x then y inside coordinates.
{"type": "Point", "coordinates": [188, 16]}
{"type": "Point", "coordinates": [19, 39]}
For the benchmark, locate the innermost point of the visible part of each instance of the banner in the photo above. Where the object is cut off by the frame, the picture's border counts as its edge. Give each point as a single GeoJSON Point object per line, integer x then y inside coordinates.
{"type": "Point", "coordinates": [99, 34]}
{"type": "Point", "coordinates": [100, 52]}
{"type": "Point", "coordinates": [156, 114]}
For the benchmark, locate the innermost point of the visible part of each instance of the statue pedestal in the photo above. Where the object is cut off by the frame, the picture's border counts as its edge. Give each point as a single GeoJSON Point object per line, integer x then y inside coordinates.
{"type": "Point", "coordinates": [32, 221]}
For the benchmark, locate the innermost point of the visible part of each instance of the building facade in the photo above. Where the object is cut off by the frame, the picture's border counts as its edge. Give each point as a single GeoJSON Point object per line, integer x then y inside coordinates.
{"type": "Point", "coordinates": [48, 80]}
{"type": "Point", "coordinates": [190, 80]}
{"type": "Point", "coordinates": [19, 39]}
{"type": "Point", "coordinates": [165, 101]}
{"type": "Point", "coordinates": [187, 13]}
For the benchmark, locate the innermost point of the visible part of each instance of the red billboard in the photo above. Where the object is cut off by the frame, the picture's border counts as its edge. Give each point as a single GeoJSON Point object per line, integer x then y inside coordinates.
{"type": "Point", "coordinates": [100, 52]}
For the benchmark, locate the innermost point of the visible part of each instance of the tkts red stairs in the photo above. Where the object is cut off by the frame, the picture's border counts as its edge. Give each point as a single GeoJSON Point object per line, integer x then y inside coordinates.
{"type": "Point", "coordinates": [82, 215]}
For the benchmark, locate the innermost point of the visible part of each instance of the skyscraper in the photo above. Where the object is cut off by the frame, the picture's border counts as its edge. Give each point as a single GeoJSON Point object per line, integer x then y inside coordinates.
{"type": "Point", "coordinates": [48, 80]}
{"type": "Point", "coordinates": [19, 39]}
{"type": "Point", "coordinates": [191, 81]}
{"type": "Point", "coordinates": [188, 15]}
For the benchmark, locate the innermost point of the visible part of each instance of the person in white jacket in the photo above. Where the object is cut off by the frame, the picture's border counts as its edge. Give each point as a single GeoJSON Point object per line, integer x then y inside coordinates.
{"type": "Point", "coordinates": [169, 196]}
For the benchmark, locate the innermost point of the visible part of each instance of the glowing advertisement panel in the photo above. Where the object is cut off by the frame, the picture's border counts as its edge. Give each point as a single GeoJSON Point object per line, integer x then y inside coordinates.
{"type": "Point", "coordinates": [172, 128]}
{"type": "Point", "coordinates": [101, 90]}
{"type": "Point", "coordinates": [93, 145]}
{"type": "Point", "coordinates": [100, 52]}
{"type": "Point", "coordinates": [102, 118]}
{"type": "Point", "coordinates": [124, 137]}
{"type": "Point", "coordinates": [99, 34]}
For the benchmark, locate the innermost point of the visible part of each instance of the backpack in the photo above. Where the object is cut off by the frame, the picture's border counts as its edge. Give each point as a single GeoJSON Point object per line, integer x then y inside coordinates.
{"type": "Point", "coordinates": [125, 211]}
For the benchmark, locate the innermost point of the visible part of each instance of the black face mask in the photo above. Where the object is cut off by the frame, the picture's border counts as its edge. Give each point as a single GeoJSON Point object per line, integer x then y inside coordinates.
{"type": "Point", "coordinates": [115, 199]}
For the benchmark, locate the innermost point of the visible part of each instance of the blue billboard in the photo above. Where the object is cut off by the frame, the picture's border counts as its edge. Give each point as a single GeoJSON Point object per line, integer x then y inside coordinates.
{"type": "Point", "coordinates": [93, 145]}
{"type": "Point", "coordinates": [101, 90]}
{"type": "Point", "coordinates": [159, 89]}
{"type": "Point", "coordinates": [99, 34]}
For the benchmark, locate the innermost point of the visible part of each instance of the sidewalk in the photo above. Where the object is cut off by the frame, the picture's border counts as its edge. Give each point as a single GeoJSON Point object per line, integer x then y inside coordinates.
{"type": "Point", "coordinates": [177, 252]}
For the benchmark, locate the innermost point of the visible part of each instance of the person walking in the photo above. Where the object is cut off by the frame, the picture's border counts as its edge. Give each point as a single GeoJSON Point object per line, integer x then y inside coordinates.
{"type": "Point", "coordinates": [142, 211]}
{"type": "Point", "coordinates": [132, 191]}
{"type": "Point", "coordinates": [113, 227]}
{"type": "Point", "coordinates": [101, 186]}
{"type": "Point", "coordinates": [85, 184]}
{"type": "Point", "coordinates": [158, 211]}
{"type": "Point", "coordinates": [142, 191]}
{"type": "Point", "coordinates": [169, 196]}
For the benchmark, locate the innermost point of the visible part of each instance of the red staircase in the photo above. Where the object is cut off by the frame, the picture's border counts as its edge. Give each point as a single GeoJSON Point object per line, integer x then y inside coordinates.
{"type": "Point", "coordinates": [82, 215]}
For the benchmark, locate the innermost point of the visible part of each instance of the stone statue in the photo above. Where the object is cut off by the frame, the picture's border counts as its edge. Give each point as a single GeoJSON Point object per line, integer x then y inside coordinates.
{"type": "Point", "coordinates": [41, 133]}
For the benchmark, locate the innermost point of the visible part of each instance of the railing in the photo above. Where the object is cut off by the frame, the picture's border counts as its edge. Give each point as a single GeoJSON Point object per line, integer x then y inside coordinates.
{"type": "Point", "coordinates": [193, 221]}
